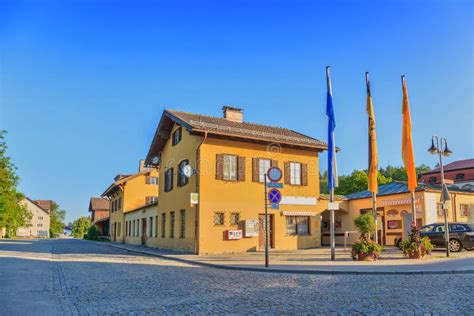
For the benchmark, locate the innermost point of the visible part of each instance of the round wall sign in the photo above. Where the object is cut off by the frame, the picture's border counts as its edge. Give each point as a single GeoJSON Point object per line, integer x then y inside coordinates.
{"type": "Point", "coordinates": [274, 174]}
{"type": "Point", "coordinates": [274, 196]}
{"type": "Point", "coordinates": [188, 171]}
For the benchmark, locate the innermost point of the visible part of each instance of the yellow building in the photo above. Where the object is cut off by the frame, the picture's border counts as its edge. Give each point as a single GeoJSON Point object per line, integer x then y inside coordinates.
{"type": "Point", "coordinates": [394, 211]}
{"type": "Point", "coordinates": [127, 194]}
{"type": "Point", "coordinates": [221, 207]}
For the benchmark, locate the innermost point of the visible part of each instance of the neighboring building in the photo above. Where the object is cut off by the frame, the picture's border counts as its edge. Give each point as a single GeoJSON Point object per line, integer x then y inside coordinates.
{"type": "Point", "coordinates": [45, 204]}
{"type": "Point", "coordinates": [40, 221]}
{"type": "Point", "coordinates": [231, 157]}
{"type": "Point", "coordinates": [394, 210]}
{"type": "Point", "coordinates": [460, 172]}
{"type": "Point", "coordinates": [99, 209]}
{"type": "Point", "coordinates": [128, 193]}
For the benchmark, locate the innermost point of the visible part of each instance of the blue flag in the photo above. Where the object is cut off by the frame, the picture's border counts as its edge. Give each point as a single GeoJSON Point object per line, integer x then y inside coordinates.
{"type": "Point", "coordinates": [332, 164]}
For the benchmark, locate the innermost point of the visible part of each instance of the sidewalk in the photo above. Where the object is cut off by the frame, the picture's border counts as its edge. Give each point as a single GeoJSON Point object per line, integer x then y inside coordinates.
{"type": "Point", "coordinates": [317, 261]}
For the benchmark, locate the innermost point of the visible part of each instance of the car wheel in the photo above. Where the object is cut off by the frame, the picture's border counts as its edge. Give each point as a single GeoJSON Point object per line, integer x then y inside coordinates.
{"type": "Point", "coordinates": [455, 245]}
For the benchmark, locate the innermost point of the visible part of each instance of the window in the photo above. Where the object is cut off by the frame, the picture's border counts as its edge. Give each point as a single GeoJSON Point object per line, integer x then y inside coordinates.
{"type": "Point", "coordinates": [439, 229]}
{"type": "Point", "coordinates": [297, 225]}
{"type": "Point", "coordinates": [150, 231]}
{"type": "Point", "coordinates": [156, 226]}
{"type": "Point", "coordinates": [176, 136]}
{"type": "Point", "coordinates": [263, 166]}
{"type": "Point", "coordinates": [459, 176]}
{"type": "Point", "coordinates": [457, 228]}
{"type": "Point", "coordinates": [234, 218]}
{"type": "Point", "coordinates": [169, 180]}
{"type": "Point", "coordinates": [432, 180]}
{"type": "Point", "coordinates": [152, 180]}
{"type": "Point", "coordinates": [163, 225]}
{"type": "Point", "coordinates": [426, 229]}
{"type": "Point", "coordinates": [172, 225]}
{"type": "Point", "coordinates": [182, 223]}
{"type": "Point", "coordinates": [126, 228]}
{"type": "Point", "coordinates": [218, 218]}
{"type": "Point", "coordinates": [230, 167]}
{"type": "Point", "coordinates": [151, 199]}
{"type": "Point", "coordinates": [295, 173]}
{"type": "Point", "coordinates": [133, 228]}
{"type": "Point", "coordinates": [464, 209]}
{"type": "Point", "coordinates": [119, 203]}
{"type": "Point", "coordinates": [119, 229]}
{"type": "Point", "coordinates": [182, 179]}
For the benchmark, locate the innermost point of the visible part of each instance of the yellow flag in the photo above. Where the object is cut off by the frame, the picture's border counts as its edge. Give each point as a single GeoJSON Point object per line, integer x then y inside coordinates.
{"type": "Point", "coordinates": [407, 142]}
{"type": "Point", "coordinates": [373, 157]}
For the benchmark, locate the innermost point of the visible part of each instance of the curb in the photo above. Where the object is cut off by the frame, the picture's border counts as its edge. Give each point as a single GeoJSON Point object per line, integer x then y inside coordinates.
{"type": "Point", "coordinates": [287, 271]}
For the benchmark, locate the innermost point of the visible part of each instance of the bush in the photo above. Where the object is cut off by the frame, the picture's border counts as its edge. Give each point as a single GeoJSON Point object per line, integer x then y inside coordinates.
{"type": "Point", "coordinates": [365, 224]}
{"type": "Point", "coordinates": [415, 244]}
{"type": "Point", "coordinates": [92, 233]}
{"type": "Point", "coordinates": [367, 248]}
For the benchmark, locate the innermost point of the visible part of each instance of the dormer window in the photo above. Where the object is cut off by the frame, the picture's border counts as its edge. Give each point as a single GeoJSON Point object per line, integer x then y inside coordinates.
{"type": "Point", "coordinates": [460, 176]}
{"type": "Point", "coordinates": [432, 180]}
{"type": "Point", "coordinates": [176, 136]}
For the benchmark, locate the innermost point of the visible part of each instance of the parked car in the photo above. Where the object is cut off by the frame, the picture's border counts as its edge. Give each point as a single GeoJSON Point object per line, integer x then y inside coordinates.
{"type": "Point", "coordinates": [461, 235]}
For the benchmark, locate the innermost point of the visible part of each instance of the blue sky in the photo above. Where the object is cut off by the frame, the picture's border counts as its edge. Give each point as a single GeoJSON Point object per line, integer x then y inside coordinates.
{"type": "Point", "coordinates": [83, 83]}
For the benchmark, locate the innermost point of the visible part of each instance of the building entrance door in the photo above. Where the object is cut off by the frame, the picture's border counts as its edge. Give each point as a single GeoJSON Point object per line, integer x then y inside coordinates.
{"type": "Point", "coordinates": [261, 231]}
{"type": "Point", "coordinates": [143, 231]}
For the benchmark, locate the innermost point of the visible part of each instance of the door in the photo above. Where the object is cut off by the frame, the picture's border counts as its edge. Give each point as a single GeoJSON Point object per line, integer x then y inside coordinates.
{"type": "Point", "coordinates": [143, 231]}
{"type": "Point", "coordinates": [261, 231]}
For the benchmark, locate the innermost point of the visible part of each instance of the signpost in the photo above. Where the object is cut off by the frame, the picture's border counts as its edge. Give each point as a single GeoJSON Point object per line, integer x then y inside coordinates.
{"type": "Point", "coordinates": [274, 174]}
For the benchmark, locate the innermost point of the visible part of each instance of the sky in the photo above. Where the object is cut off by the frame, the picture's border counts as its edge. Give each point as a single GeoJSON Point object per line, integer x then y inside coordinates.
{"type": "Point", "coordinates": [84, 83]}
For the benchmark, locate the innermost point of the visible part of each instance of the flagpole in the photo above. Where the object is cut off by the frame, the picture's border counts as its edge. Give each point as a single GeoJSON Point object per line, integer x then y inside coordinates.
{"type": "Point", "coordinates": [374, 195]}
{"type": "Point", "coordinates": [331, 191]}
{"type": "Point", "coordinates": [412, 193]}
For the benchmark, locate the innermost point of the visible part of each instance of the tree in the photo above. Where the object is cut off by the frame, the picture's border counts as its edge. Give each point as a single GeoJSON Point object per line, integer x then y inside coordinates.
{"type": "Point", "coordinates": [365, 224]}
{"type": "Point", "coordinates": [357, 181]}
{"type": "Point", "coordinates": [400, 174]}
{"type": "Point", "coordinates": [80, 226]}
{"type": "Point", "coordinates": [56, 221]}
{"type": "Point", "coordinates": [13, 215]}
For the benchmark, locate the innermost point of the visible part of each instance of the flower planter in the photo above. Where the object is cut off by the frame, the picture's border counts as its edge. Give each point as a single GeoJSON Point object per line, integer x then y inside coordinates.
{"type": "Point", "coordinates": [414, 255]}
{"type": "Point", "coordinates": [366, 257]}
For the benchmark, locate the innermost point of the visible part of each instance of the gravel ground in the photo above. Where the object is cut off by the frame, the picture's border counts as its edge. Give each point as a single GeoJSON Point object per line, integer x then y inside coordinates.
{"type": "Point", "coordinates": [70, 277]}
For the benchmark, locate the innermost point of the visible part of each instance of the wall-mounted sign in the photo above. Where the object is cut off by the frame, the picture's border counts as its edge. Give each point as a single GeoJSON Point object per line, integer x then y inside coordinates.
{"type": "Point", "coordinates": [234, 234]}
{"type": "Point", "coordinates": [392, 213]}
{"type": "Point", "coordinates": [298, 200]}
{"type": "Point", "coordinates": [333, 206]}
{"type": "Point", "coordinates": [274, 174]}
{"type": "Point", "coordinates": [275, 206]}
{"type": "Point", "coordinates": [251, 228]}
{"type": "Point", "coordinates": [274, 196]}
{"type": "Point", "coordinates": [194, 198]}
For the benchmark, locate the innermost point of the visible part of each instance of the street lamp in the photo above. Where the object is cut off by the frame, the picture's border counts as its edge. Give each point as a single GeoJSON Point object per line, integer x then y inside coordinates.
{"type": "Point", "coordinates": [437, 149]}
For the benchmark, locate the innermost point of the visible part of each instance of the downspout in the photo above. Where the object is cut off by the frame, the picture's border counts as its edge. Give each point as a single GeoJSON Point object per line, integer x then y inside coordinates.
{"type": "Point", "coordinates": [455, 211]}
{"type": "Point", "coordinates": [198, 180]}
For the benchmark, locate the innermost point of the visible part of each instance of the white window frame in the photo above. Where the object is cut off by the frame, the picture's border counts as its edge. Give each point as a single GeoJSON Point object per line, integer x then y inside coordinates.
{"type": "Point", "coordinates": [263, 166]}
{"type": "Point", "coordinates": [230, 167]}
{"type": "Point", "coordinates": [295, 173]}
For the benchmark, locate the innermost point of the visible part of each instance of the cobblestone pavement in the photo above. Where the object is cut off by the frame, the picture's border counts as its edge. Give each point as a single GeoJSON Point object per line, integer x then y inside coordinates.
{"type": "Point", "coordinates": [74, 277]}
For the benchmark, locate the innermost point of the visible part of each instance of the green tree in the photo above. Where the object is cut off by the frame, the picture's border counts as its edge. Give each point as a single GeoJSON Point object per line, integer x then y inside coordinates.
{"type": "Point", "coordinates": [13, 215]}
{"type": "Point", "coordinates": [56, 221]}
{"type": "Point", "coordinates": [80, 226]}
{"type": "Point", "coordinates": [365, 224]}
{"type": "Point", "coordinates": [399, 173]}
{"type": "Point", "coordinates": [357, 181]}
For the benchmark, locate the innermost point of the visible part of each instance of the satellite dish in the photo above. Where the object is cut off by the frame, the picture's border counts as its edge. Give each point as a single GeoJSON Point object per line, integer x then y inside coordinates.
{"type": "Point", "coordinates": [155, 160]}
{"type": "Point", "coordinates": [188, 171]}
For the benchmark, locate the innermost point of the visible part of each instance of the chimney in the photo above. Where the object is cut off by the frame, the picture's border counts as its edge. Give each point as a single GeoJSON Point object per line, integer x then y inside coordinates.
{"type": "Point", "coordinates": [233, 114]}
{"type": "Point", "coordinates": [141, 165]}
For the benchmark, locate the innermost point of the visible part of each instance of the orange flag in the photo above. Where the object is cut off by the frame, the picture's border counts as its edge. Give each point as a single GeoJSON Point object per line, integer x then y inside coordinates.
{"type": "Point", "coordinates": [373, 156]}
{"type": "Point", "coordinates": [407, 142]}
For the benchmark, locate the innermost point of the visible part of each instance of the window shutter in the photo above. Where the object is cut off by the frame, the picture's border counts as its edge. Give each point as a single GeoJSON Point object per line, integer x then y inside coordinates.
{"type": "Point", "coordinates": [274, 163]}
{"type": "Point", "coordinates": [220, 167]}
{"type": "Point", "coordinates": [287, 173]}
{"type": "Point", "coordinates": [147, 180]}
{"type": "Point", "coordinates": [304, 174]}
{"type": "Point", "coordinates": [241, 168]}
{"type": "Point", "coordinates": [255, 171]}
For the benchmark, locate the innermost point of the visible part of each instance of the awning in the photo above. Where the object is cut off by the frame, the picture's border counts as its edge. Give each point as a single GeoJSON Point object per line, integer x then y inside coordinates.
{"type": "Point", "coordinates": [299, 213]}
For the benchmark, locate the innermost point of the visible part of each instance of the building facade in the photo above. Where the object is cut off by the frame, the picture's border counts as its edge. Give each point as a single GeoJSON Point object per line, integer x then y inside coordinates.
{"type": "Point", "coordinates": [99, 209]}
{"type": "Point", "coordinates": [221, 207]}
{"type": "Point", "coordinates": [460, 173]}
{"type": "Point", "coordinates": [40, 221]}
{"type": "Point", "coordinates": [127, 193]}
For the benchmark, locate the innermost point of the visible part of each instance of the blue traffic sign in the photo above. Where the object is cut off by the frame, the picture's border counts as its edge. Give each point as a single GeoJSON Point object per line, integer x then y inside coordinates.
{"type": "Point", "coordinates": [274, 174]}
{"type": "Point", "coordinates": [275, 185]}
{"type": "Point", "coordinates": [275, 206]}
{"type": "Point", "coordinates": [274, 196]}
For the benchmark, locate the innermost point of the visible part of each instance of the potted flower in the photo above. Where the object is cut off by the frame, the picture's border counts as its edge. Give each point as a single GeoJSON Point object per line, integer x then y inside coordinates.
{"type": "Point", "coordinates": [416, 247]}
{"type": "Point", "coordinates": [364, 249]}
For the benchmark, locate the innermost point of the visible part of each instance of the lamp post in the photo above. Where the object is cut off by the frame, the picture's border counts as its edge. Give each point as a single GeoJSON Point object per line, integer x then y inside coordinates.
{"type": "Point", "coordinates": [437, 149]}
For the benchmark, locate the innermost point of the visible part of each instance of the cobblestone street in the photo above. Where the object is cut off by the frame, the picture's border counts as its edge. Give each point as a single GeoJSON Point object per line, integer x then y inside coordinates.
{"type": "Point", "coordinates": [65, 277]}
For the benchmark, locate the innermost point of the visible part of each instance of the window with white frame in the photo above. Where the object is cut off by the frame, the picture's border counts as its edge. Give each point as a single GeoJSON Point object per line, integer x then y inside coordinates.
{"type": "Point", "coordinates": [230, 167]}
{"type": "Point", "coordinates": [295, 173]}
{"type": "Point", "coordinates": [263, 166]}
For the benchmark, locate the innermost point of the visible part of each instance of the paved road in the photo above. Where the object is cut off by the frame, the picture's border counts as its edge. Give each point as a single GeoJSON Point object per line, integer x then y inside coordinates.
{"type": "Point", "coordinates": [64, 277]}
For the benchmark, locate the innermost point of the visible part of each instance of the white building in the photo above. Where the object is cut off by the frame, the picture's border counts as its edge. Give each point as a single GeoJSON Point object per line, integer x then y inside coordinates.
{"type": "Point", "coordinates": [40, 221]}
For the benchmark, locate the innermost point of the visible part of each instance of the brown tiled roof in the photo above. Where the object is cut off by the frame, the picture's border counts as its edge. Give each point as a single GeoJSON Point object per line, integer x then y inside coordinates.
{"type": "Point", "coordinates": [455, 165]}
{"type": "Point", "coordinates": [223, 126]}
{"type": "Point", "coordinates": [47, 205]}
{"type": "Point", "coordinates": [98, 203]}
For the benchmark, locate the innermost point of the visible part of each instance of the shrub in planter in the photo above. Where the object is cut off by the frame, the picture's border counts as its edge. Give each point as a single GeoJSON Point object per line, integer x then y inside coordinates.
{"type": "Point", "coordinates": [365, 249]}
{"type": "Point", "coordinates": [416, 247]}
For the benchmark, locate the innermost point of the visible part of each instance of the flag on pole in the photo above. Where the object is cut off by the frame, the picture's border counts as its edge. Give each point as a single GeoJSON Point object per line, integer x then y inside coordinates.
{"type": "Point", "coordinates": [373, 157]}
{"type": "Point", "coordinates": [332, 164]}
{"type": "Point", "coordinates": [407, 142]}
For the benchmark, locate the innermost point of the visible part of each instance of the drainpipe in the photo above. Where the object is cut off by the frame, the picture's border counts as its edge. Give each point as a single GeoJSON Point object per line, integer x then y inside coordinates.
{"type": "Point", "coordinates": [455, 211]}
{"type": "Point", "coordinates": [197, 206]}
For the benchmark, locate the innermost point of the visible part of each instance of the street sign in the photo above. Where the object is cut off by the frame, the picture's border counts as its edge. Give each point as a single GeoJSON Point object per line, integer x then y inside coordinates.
{"type": "Point", "coordinates": [275, 206]}
{"type": "Point", "coordinates": [275, 185]}
{"type": "Point", "coordinates": [274, 174]}
{"type": "Point", "coordinates": [274, 196]}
